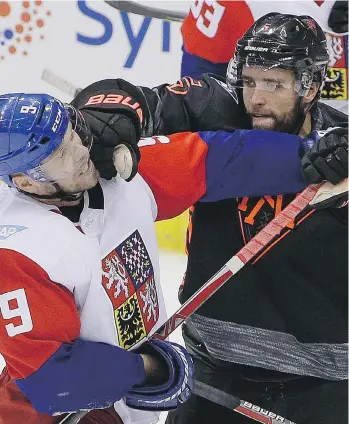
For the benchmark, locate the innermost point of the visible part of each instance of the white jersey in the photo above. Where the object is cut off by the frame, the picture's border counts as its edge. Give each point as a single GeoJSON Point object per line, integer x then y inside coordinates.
{"type": "Point", "coordinates": [122, 304]}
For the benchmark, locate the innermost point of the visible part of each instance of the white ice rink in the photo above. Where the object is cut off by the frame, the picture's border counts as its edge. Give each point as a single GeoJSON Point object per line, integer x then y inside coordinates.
{"type": "Point", "coordinates": [172, 267]}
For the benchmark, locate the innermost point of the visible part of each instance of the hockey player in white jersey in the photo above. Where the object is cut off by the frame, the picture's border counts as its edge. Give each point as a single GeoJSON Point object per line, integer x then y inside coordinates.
{"type": "Point", "coordinates": [66, 328]}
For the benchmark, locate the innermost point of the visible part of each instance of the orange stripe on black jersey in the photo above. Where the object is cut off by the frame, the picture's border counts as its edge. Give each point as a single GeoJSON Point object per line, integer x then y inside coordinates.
{"type": "Point", "coordinates": [255, 213]}
{"type": "Point", "coordinates": [182, 86]}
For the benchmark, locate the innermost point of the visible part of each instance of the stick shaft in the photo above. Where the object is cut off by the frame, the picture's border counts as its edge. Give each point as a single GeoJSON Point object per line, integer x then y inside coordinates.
{"type": "Point", "coordinates": [238, 261]}
{"type": "Point", "coordinates": [152, 12]}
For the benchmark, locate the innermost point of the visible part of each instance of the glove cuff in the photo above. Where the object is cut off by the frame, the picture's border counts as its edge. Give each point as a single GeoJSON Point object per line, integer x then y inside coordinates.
{"type": "Point", "coordinates": [178, 387]}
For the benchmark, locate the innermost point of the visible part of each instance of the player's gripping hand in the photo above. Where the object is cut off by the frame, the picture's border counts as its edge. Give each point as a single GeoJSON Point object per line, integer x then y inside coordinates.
{"type": "Point", "coordinates": [169, 382]}
{"type": "Point", "coordinates": [327, 158]}
{"type": "Point", "coordinates": [114, 119]}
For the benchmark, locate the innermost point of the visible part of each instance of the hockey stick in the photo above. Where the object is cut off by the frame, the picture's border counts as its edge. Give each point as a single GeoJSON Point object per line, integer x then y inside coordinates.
{"type": "Point", "coordinates": [73, 417]}
{"type": "Point", "coordinates": [124, 6]}
{"type": "Point", "coordinates": [244, 255]}
{"type": "Point", "coordinates": [247, 409]}
{"type": "Point", "coordinates": [152, 12]}
{"type": "Point", "coordinates": [58, 82]}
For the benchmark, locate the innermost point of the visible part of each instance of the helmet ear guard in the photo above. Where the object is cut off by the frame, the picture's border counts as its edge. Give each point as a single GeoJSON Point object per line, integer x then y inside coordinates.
{"type": "Point", "coordinates": [79, 125]}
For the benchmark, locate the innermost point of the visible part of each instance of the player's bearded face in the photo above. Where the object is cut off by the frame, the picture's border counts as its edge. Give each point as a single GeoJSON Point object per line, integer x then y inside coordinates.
{"type": "Point", "coordinates": [270, 99]}
{"type": "Point", "coordinates": [70, 165]}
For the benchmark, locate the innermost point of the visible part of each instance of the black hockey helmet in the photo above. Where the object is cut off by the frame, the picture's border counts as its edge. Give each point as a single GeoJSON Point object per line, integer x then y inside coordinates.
{"type": "Point", "coordinates": [292, 42]}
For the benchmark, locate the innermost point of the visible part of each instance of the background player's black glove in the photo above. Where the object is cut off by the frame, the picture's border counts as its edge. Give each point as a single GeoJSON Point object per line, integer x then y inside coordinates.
{"type": "Point", "coordinates": [327, 159]}
{"type": "Point", "coordinates": [114, 119]}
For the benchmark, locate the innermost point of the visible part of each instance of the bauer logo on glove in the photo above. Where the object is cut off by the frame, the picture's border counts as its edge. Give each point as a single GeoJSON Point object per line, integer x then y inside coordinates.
{"type": "Point", "coordinates": [115, 119]}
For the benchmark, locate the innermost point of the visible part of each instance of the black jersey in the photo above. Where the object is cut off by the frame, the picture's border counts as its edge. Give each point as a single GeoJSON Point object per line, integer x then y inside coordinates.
{"type": "Point", "coordinates": [286, 311]}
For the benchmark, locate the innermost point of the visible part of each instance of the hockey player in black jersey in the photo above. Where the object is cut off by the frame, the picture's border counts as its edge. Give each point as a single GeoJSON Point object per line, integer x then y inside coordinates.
{"type": "Point", "coordinates": [276, 334]}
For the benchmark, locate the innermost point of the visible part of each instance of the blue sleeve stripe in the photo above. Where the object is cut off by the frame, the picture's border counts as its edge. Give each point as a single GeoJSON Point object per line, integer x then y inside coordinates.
{"type": "Point", "coordinates": [194, 66]}
{"type": "Point", "coordinates": [251, 163]}
{"type": "Point", "coordinates": [84, 375]}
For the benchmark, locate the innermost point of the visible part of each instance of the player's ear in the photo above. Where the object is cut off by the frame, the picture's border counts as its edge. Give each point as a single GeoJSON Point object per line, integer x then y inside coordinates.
{"type": "Point", "coordinates": [26, 184]}
{"type": "Point", "coordinates": [22, 182]}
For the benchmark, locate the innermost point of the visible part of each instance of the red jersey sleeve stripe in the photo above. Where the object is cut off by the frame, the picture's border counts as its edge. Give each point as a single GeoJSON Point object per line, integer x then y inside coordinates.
{"type": "Point", "coordinates": [47, 308]}
{"type": "Point", "coordinates": [175, 170]}
{"type": "Point", "coordinates": [212, 34]}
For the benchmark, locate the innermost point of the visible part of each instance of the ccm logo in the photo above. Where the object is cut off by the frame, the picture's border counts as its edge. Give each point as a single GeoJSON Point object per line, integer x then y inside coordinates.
{"type": "Point", "coordinates": [57, 121]}
{"type": "Point", "coordinates": [116, 99]}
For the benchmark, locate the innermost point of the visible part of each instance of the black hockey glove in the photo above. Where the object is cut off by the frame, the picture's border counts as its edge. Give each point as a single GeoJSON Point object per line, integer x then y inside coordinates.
{"type": "Point", "coordinates": [327, 159]}
{"type": "Point", "coordinates": [114, 119]}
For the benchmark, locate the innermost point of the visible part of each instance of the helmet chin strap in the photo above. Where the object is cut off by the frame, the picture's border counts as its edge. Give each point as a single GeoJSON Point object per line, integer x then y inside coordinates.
{"type": "Point", "coordinates": [303, 110]}
{"type": "Point", "coordinates": [301, 116]}
{"type": "Point", "coordinates": [59, 195]}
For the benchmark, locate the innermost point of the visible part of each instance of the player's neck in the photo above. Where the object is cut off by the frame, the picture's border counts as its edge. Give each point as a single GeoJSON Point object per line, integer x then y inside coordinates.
{"type": "Point", "coordinates": [306, 127]}
{"type": "Point", "coordinates": [60, 203]}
